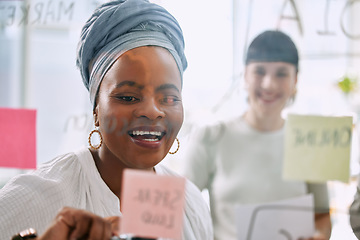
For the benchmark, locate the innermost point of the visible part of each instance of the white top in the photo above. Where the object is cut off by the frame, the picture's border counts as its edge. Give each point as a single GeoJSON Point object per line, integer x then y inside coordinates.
{"type": "Point", "coordinates": [33, 200]}
{"type": "Point", "coordinates": [240, 165]}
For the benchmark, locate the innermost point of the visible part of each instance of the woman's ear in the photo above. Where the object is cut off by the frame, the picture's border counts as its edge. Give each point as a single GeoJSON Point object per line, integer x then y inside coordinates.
{"type": "Point", "coordinates": [246, 84]}
{"type": "Point", "coordinates": [96, 118]}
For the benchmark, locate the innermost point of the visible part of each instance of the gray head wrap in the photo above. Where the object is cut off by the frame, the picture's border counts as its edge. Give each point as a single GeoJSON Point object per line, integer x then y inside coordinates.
{"type": "Point", "coordinates": [118, 26]}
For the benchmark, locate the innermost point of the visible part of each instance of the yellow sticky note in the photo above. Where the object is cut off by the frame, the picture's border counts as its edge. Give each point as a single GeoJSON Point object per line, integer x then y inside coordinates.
{"type": "Point", "coordinates": [152, 205]}
{"type": "Point", "coordinates": [317, 148]}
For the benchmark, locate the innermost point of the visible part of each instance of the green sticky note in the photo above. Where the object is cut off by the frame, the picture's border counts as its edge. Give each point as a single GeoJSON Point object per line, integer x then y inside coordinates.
{"type": "Point", "coordinates": [317, 148]}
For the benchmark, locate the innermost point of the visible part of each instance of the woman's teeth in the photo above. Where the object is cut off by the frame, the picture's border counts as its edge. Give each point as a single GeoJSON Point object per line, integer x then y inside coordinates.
{"type": "Point", "coordinates": [150, 136]}
{"type": "Point", "coordinates": [142, 133]}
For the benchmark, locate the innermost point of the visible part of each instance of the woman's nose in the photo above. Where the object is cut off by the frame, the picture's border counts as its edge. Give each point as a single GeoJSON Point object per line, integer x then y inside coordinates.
{"type": "Point", "coordinates": [268, 83]}
{"type": "Point", "coordinates": [150, 109]}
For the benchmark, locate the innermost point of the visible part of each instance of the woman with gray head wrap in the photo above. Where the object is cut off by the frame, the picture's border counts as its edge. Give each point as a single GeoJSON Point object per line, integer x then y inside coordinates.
{"type": "Point", "coordinates": [131, 59]}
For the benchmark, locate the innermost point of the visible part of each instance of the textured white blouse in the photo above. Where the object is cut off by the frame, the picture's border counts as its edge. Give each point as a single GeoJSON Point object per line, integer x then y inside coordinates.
{"type": "Point", "coordinates": [33, 200]}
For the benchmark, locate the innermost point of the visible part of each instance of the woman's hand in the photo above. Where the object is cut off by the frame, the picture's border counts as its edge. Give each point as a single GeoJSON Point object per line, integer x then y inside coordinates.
{"type": "Point", "coordinates": [74, 224]}
{"type": "Point", "coordinates": [323, 227]}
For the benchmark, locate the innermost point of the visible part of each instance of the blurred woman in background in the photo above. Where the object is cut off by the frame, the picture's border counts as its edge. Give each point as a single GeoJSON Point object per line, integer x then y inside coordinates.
{"type": "Point", "coordinates": [240, 160]}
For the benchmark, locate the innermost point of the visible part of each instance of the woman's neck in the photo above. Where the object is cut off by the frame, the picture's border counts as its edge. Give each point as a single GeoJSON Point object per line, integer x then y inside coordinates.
{"type": "Point", "coordinates": [264, 123]}
{"type": "Point", "coordinates": [110, 171]}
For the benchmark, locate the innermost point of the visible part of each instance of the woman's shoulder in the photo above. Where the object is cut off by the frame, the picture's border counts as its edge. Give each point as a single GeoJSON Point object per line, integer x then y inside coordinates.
{"type": "Point", "coordinates": [40, 192]}
{"type": "Point", "coordinates": [215, 131]}
{"type": "Point", "coordinates": [48, 173]}
{"type": "Point", "coordinates": [62, 165]}
{"type": "Point", "coordinates": [208, 133]}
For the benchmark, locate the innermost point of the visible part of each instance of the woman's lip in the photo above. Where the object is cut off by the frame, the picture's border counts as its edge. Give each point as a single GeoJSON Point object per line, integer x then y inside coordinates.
{"type": "Point", "coordinates": [147, 144]}
{"type": "Point", "coordinates": [143, 141]}
{"type": "Point", "coordinates": [268, 99]}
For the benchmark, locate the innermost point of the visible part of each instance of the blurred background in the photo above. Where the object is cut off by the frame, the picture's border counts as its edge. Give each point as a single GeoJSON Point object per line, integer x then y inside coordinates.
{"type": "Point", "coordinates": [38, 40]}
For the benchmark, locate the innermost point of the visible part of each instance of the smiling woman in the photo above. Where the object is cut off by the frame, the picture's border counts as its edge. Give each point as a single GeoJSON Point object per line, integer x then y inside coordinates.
{"type": "Point", "coordinates": [241, 159]}
{"type": "Point", "coordinates": [131, 58]}
{"type": "Point", "coordinates": [143, 90]}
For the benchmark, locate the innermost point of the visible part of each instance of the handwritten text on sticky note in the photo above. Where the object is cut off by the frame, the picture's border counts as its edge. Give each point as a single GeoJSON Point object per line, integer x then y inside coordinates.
{"type": "Point", "coordinates": [152, 205]}
{"type": "Point", "coordinates": [317, 148]}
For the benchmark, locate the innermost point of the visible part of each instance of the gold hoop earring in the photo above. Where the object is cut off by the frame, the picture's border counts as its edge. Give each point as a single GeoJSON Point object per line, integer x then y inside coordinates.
{"type": "Point", "coordinates": [178, 146]}
{"type": "Point", "coordinates": [101, 139]}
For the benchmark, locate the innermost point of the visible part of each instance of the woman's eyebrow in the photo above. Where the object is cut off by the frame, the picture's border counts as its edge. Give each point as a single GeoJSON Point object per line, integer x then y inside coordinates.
{"type": "Point", "coordinates": [167, 86]}
{"type": "Point", "coordinates": [284, 69]}
{"type": "Point", "coordinates": [259, 67]}
{"type": "Point", "coordinates": [130, 84]}
{"type": "Point", "coordinates": [134, 84]}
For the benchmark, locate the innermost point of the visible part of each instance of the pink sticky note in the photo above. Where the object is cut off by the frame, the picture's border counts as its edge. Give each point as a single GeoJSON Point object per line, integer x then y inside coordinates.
{"type": "Point", "coordinates": [18, 130]}
{"type": "Point", "coordinates": [152, 205]}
